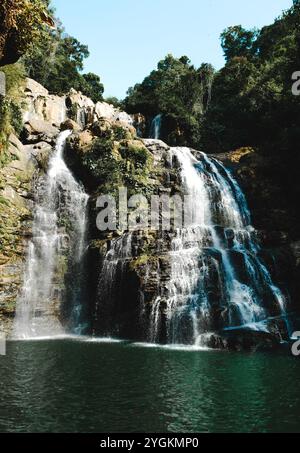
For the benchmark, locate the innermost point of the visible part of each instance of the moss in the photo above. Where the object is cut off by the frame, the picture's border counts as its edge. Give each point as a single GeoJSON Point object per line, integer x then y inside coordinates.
{"type": "Point", "coordinates": [136, 152]}
{"type": "Point", "coordinates": [238, 154]}
{"type": "Point", "coordinates": [62, 266]}
{"type": "Point", "coordinates": [138, 262]}
{"type": "Point", "coordinates": [10, 108]}
{"type": "Point", "coordinates": [119, 133]}
{"type": "Point", "coordinates": [112, 164]}
{"type": "Point", "coordinates": [142, 261]}
{"type": "Point", "coordinates": [99, 245]}
{"type": "Point", "coordinates": [11, 217]}
{"type": "Point", "coordinates": [4, 201]}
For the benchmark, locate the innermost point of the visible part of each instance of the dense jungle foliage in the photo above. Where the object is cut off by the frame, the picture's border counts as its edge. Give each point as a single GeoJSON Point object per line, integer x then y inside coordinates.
{"type": "Point", "coordinates": [249, 102]}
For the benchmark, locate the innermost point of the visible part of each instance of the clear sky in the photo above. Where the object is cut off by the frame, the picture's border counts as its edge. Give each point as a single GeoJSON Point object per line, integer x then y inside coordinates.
{"type": "Point", "coordinates": [127, 38]}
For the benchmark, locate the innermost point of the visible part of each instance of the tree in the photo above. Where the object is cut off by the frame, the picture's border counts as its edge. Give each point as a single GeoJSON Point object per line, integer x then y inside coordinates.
{"type": "Point", "coordinates": [57, 63]}
{"type": "Point", "coordinates": [92, 87]}
{"type": "Point", "coordinates": [178, 91]}
{"type": "Point", "coordinates": [252, 102]}
{"type": "Point", "coordinates": [238, 42]}
{"type": "Point", "coordinates": [117, 103]}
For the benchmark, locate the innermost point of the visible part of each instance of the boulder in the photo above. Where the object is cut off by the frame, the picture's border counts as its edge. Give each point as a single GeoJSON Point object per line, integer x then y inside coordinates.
{"type": "Point", "coordinates": [158, 149]}
{"type": "Point", "coordinates": [38, 130]}
{"type": "Point", "coordinates": [70, 125]}
{"type": "Point", "coordinates": [51, 109]}
{"type": "Point", "coordinates": [39, 105]}
{"type": "Point", "coordinates": [109, 112]}
{"type": "Point", "coordinates": [123, 118]}
{"type": "Point", "coordinates": [241, 340]}
{"type": "Point", "coordinates": [35, 89]}
{"type": "Point", "coordinates": [252, 341]}
{"type": "Point", "coordinates": [21, 166]}
{"type": "Point", "coordinates": [40, 153]}
{"type": "Point", "coordinates": [82, 141]}
{"type": "Point", "coordinates": [104, 110]}
{"type": "Point", "coordinates": [102, 127]}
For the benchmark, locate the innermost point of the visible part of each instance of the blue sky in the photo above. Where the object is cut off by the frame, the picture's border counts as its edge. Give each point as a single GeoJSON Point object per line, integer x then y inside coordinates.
{"type": "Point", "coordinates": [127, 38]}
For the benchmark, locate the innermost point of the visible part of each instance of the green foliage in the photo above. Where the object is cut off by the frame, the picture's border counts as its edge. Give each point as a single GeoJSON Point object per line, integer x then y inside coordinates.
{"type": "Point", "coordinates": [10, 107]}
{"type": "Point", "coordinates": [119, 133]}
{"type": "Point", "coordinates": [238, 42]}
{"type": "Point", "coordinates": [177, 90]}
{"type": "Point", "coordinates": [112, 162]}
{"type": "Point", "coordinates": [248, 102]}
{"type": "Point", "coordinates": [252, 103]}
{"type": "Point", "coordinates": [51, 57]}
{"type": "Point", "coordinates": [102, 162]}
{"type": "Point", "coordinates": [92, 87]}
{"type": "Point", "coordinates": [21, 22]}
{"type": "Point", "coordinates": [57, 63]}
{"type": "Point", "coordinates": [136, 152]}
{"type": "Point", "coordinates": [117, 103]}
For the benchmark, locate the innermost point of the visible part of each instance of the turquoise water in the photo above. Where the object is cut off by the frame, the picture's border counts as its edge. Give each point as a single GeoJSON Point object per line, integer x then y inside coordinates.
{"type": "Point", "coordinates": [72, 386]}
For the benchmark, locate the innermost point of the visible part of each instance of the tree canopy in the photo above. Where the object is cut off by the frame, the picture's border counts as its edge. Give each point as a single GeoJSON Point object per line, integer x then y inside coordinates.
{"type": "Point", "coordinates": [177, 90]}
{"type": "Point", "coordinates": [57, 63]}
{"type": "Point", "coordinates": [249, 102]}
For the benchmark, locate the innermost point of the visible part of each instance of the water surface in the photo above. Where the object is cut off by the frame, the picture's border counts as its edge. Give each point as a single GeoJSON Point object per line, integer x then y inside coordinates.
{"type": "Point", "coordinates": [71, 386]}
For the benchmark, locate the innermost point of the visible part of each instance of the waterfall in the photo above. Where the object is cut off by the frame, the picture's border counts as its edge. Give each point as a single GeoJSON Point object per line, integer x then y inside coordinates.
{"type": "Point", "coordinates": [218, 281]}
{"type": "Point", "coordinates": [58, 241]}
{"type": "Point", "coordinates": [155, 130]}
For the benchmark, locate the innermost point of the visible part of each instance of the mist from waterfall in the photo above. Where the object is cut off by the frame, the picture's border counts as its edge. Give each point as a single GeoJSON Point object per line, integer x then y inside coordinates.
{"type": "Point", "coordinates": [58, 241]}
{"type": "Point", "coordinates": [218, 281]}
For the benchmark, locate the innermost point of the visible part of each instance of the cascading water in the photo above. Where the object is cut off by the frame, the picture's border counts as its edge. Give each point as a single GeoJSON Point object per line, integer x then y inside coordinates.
{"type": "Point", "coordinates": [155, 130]}
{"type": "Point", "coordinates": [218, 282]}
{"type": "Point", "coordinates": [58, 241]}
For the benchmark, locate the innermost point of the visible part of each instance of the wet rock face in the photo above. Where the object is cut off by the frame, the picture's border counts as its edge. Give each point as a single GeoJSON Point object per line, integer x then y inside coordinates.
{"type": "Point", "coordinates": [15, 224]}
{"type": "Point", "coordinates": [26, 162]}
{"type": "Point", "coordinates": [131, 311]}
{"type": "Point", "coordinates": [124, 289]}
{"type": "Point", "coordinates": [129, 292]}
{"type": "Point", "coordinates": [243, 340]}
{"type": "Point", "coordinates": [36, 131]}
{"type": "Point", "coordinates": [261, 178]}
